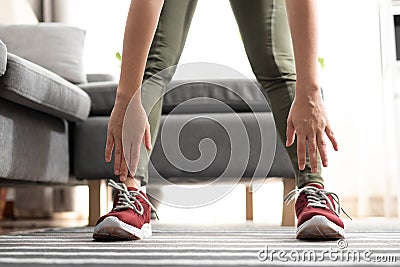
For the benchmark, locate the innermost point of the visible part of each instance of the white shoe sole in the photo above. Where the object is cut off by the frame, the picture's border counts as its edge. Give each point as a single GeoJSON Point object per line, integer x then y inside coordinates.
{"type": "Point", "coordinates": [319, 227]}
{"type": "Point", "coordinates": [111, 228]}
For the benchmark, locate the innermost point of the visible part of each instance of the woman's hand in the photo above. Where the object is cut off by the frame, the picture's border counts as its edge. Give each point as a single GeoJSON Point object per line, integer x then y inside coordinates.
{"type": "Point", "coordinates": [132, 134]}
{"type": "Point", "coordinates": [309, 122]}
{"type": "Point", "coordinates": [140, 26]}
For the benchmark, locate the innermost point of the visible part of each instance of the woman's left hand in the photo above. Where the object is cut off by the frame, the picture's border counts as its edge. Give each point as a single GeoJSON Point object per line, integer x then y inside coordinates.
{"type": "Point", "coordinates": [309, 122]}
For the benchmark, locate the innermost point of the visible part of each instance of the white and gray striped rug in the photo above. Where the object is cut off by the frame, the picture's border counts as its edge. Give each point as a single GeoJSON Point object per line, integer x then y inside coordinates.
{"type": "Point", "coordinates": [240, 245]}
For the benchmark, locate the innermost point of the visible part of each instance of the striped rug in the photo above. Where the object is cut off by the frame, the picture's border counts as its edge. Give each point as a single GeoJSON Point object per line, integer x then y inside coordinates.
{"type": "Point", "coordinates": [239, 245]}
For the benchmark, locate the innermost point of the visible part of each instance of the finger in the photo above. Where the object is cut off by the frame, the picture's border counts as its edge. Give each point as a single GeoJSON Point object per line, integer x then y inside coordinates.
{"type": "Point", "coordinates": [147, 138]}
{"type": "Point", "coordinates": [123, 171]}
{"type": "Point", "coordinates": [312, 153]}
{"type": "Point", "coordinates": [301, 151]}
{"type": "Point", "coordinates": [109, 147]}
{"type": "Point", "coordinates": [117, 157]}
{"type": "Point", "coordinates": [322, 149]}
{"type": "Point", "coordinates": [290, 133]}
{"type": "Point", "coordinates": [332, 138]}
{"type": "Point", "coordinates": [125, 158]}
{"type": "Point", "coordinates": [134, 157]}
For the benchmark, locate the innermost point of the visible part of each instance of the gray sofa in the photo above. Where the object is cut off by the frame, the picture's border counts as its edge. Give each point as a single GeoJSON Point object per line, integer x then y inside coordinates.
{"type": "Point", "coordinates": [35, 108]}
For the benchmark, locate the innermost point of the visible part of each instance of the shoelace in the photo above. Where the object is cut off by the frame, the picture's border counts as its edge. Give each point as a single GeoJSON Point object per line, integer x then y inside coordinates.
{"type": "Point", "coordinates": [127, 199]}
{"type": "Point", "coordinates": [317, 198]}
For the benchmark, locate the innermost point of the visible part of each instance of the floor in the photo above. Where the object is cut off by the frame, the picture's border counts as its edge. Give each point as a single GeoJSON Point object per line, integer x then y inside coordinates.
{"type": "Point", "coordinates": [9, 226]}
{"type": "Point", "coordinates": [374, 242]}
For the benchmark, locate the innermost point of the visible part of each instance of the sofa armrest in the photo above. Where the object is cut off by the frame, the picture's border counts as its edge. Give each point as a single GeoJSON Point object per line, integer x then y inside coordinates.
{"type": "Point", "coordinates": [3, 58]}
{"type": "Point", "coordinates": [30, 85]}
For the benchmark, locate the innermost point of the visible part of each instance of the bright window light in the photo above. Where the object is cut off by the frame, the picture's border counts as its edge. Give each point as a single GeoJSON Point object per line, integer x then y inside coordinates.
{"type": "Point", "coordinates": [213, 37]}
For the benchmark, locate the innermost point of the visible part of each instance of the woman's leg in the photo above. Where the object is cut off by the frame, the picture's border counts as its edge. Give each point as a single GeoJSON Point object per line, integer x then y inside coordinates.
{"type": "Point", "coordinates": [165, 52]}
{"type": "Point", "coordinates": [266, 36]}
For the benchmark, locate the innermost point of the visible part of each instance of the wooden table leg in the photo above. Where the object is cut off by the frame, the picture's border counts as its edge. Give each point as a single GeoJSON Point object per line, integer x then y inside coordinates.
{"type": "Point", "coordinates": [249, 203]}
{"type": "Point", "coordinates": [98, 199]}
{"type": "Point", "coordinates": [288, 218]}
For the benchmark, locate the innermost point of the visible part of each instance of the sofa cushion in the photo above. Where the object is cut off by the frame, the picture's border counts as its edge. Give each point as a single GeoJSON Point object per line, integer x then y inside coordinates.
{"type": "Point", "coordinates": [99, 77]}
{"type": "Point", "coordinates": [236, 95]}
{"type": "Point", "coordinates": [56, 47]}
{"type": "Point", "coordinates": [30, 85]}
{"type": "Point", "coordinates": [102, 95]}
{"type": "Point", "coordinates": [3, 58]}
{"type": "Point", "coordinates": [90, 137]}
{"type": "Point", "coordinates": [206, 148]}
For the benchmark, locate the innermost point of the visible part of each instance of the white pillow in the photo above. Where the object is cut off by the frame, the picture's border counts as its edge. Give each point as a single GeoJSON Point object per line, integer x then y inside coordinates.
{"type": "Point", "coordinates": [56, 47]}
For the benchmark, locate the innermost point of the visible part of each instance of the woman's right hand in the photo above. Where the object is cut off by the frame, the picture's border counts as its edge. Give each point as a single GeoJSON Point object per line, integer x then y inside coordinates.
{"type": "Point", "coordinates": [129, 136]}
{"type": "Point", "coordinates": [140, 26]}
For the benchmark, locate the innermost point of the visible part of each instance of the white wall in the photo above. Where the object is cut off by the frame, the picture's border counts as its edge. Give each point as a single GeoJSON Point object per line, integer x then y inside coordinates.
{"type": "Point", "coordinates": [214, 37]}
{"type": "Point", "coordinates": [350, 42]}
{"type": "Point", "coordinates": [104, 21]}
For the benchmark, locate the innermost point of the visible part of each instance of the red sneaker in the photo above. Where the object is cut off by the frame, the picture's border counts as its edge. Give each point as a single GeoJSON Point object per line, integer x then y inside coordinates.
{"type": "Point", "coordinates": [317, 214]}
{"type": "Point", "coordinates": [129, 219]}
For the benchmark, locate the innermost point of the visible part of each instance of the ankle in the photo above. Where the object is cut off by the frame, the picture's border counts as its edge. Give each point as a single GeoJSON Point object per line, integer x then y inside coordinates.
{"type": "Point", "coordinates": [133, 182]}
{"type": "Point", "coordinates": [314, 184]}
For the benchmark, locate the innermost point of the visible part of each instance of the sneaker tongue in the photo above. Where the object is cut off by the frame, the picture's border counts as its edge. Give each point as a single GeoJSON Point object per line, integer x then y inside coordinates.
{"type": "Point", "coordinates": [317, 185]}
{"type": "Point", "coordinates": [136, 190]}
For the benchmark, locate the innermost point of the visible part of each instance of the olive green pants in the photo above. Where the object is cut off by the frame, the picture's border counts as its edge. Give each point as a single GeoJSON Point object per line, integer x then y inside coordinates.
{"type": "Point", "coordinates": [266, 36]}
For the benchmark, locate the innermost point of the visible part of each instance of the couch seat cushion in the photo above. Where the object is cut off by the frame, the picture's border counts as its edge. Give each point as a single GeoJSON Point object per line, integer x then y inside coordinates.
{"type": "Point", "coordinates": [3, 58]}
{"type": "Point", "coordinates": [30, 85]}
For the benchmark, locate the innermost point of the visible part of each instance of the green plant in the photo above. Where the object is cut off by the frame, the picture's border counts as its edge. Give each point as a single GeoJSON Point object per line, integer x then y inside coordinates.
{"type": "Point", "coordinates": [118, 56]}
{"type": "Point", "coordinates": [321, 62]}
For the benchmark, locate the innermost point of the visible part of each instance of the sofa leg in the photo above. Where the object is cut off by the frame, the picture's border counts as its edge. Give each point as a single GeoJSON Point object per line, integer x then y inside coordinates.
{"type": "Point", "coordinates": [249, 203]}
{"type": "Point", "coordinates": [98, 199]}
{"type": "Point", "coordinates": [3, 201]}
{"type": "Point", "coordinates": [288, 210]}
